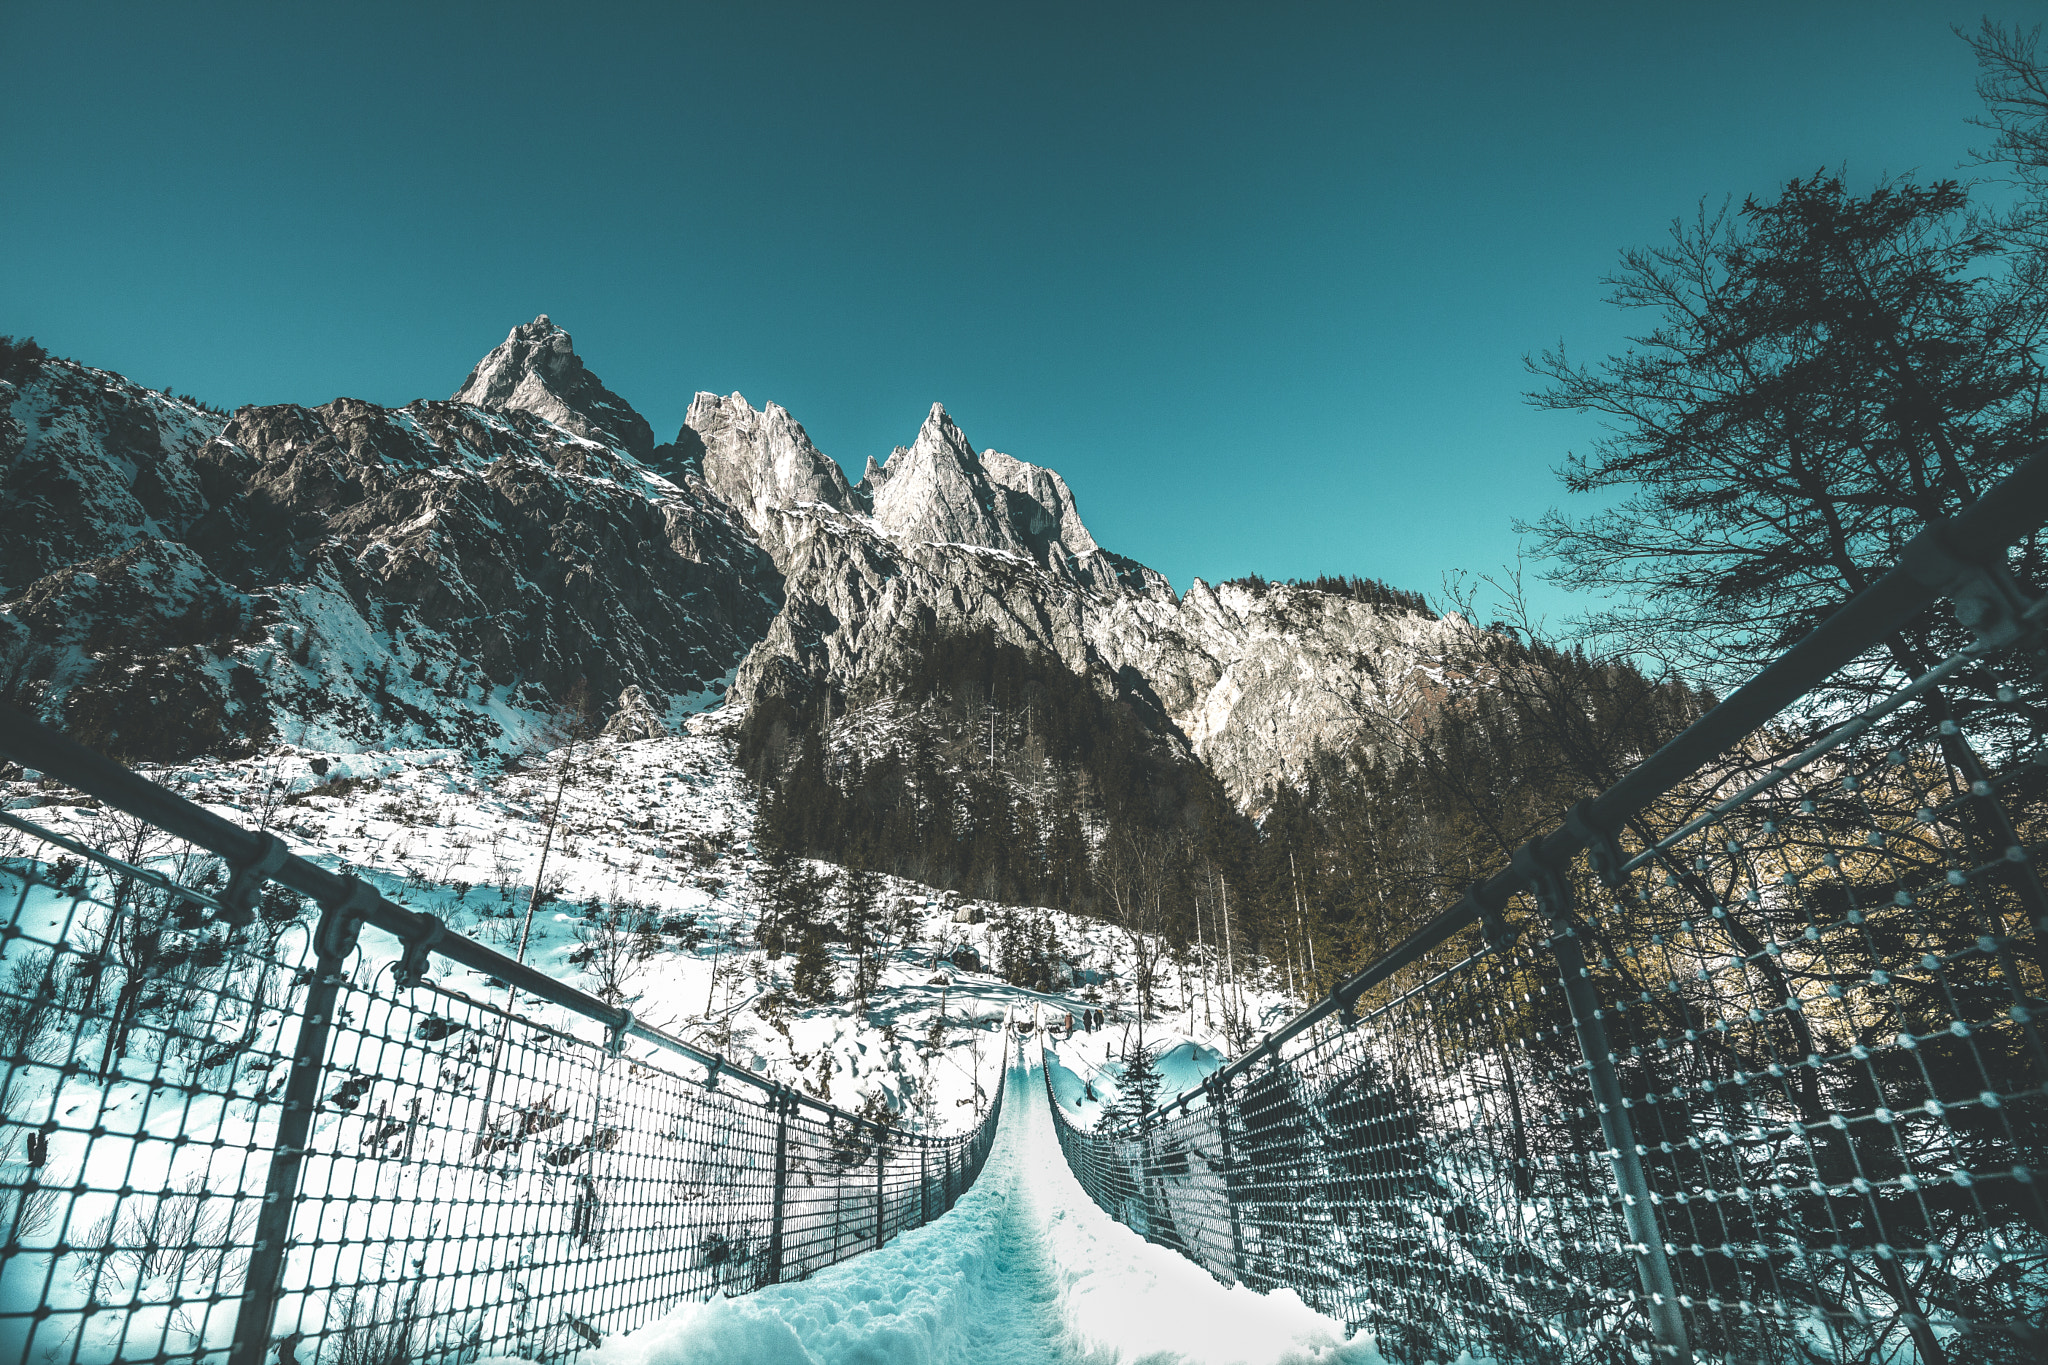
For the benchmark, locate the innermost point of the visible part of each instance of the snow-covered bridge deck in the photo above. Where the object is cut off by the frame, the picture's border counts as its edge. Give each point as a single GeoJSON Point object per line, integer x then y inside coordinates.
{"type": "Point", "coordinates": [1025, 1269]}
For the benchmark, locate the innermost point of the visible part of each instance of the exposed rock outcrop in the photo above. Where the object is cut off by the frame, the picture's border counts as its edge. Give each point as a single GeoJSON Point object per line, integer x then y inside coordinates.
{"type": "Point", "coordinates": [1038, 505]}
{"type": "Point", "coordinates": [1258, 677]}
{"type": "Point", "coordinates": [761, 461]}
{"type": "Point", "coordinates": [351, 576]}
{"type": "Point", "coordinates": [1254, 678]}
{"type": "Point", "coordinates": [635, 717]}
{"type": "Point", "coordinates": [536, 369]}
{"type": "Point", "coordinates": [936, 492]}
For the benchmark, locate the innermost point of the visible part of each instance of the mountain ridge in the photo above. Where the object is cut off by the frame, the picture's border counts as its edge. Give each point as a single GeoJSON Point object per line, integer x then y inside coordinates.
{"type": "Point", "coordinates": [452, 571]}
{"type": "Point", "coordinates": [351, 576]}
{"type": "Point", "coordinates": [1257, 681]}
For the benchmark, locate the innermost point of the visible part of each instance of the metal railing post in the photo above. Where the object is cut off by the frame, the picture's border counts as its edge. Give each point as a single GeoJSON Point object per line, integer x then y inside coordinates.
{"type": "Point", "coordinates": [782, 1106]}
{"type": "Point", "coordinates": [924, 1182]}
{"type": "Point", "coordinates": [881, 1195]}
{"type": "Point", "coordinates": [334, 940]}
{"type": "Point", "coordinates": [1219, 1098]}
{"type": "Point", "coordinates": [1660, 1292]}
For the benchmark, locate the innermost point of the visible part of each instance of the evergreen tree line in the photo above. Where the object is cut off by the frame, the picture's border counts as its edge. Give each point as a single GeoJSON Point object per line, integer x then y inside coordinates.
{"type": "Point", "coordinates": [1370, 591]}
{"type": "Point", "coordinates": [976, 765]}
{"type": "Point", "coordinates": [994, 770]}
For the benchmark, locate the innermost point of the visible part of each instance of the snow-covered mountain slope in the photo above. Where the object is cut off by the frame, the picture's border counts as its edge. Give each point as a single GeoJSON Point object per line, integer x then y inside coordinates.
{"type": "Point", "coordinates": [348, 576]}
{"type": "Point", "coordinates": [176, 583]}
{"type": "Point", "coordinates": [651, 893]}
{"type": "Point", "coordinates": [89, 464]}
{"type": "Point", "coordinates": [1256, 678]}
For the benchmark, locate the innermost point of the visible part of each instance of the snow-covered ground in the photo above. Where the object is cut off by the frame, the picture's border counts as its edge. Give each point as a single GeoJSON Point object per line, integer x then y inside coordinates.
{"type": "Point", "coordinates": [665, 826]}
{"type": "Point", "coordinates": [1025, 1265]}
{"type": "Point", "coordinates": [1024, 1270]}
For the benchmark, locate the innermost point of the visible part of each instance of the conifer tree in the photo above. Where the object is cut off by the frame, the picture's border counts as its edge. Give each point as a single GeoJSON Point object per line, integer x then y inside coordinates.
{"type": "Point", "coordinates": [813, 979]}
{"type": "Point", "coordinates": [1828, 372]}
{"type": "Point", "coordinates": [860, 896]}
{"type": "Point", "coordinates": [772, 878]}
{"type": "Point", "coordinates": [1137, 1092]}
{"type": "Point", "coordinates": [1141, 1081]}
{"type": "Point", "coordinates": [1112, 1115]}
{"type": "Point", "coordinates": [790, 893]}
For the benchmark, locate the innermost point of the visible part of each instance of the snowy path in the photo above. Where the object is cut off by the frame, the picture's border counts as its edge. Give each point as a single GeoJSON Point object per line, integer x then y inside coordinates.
{"type": "Point", "coordinates": [1020, 1325]}
{"type": "Point", "coordinates": [1025, 1269]}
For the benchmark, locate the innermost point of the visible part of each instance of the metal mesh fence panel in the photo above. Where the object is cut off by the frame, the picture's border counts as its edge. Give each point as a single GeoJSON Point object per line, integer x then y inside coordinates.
{"type": "Point", "coordinates": [1428, 1173]}
{"type": "Point", "coordinates": [144, 1050]}
{"type": "Point", "coordinates": [477, 1181]}
{"type": "Point", "coordinates": [473, 1180]}
{"type": "Point", "coordinates": [1769, 1089]}
{"type": "Point", "coordinates": [1824, 1006]}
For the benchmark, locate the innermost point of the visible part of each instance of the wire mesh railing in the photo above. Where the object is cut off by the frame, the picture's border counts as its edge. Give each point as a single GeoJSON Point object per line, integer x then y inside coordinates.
{"type": "Point", "coordinates": [234, 1128]}
{"type": "Point", "coordinates": [1743, 1063]}
{"type": "Point", "coordinates": [1406, 1174]}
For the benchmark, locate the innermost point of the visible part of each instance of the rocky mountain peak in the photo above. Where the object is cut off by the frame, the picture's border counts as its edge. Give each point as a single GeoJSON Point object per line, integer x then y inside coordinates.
{"type": "Point", "coordinates": [536, 369]}
{"type": "Point", "coordinates": [937, 491]}
{"type": "Point", "coordinates": [1040, 505]}
{"type": "Point", "coordinates": [939, 426]}
{"type": "Point", "coordinates": [761, 460]}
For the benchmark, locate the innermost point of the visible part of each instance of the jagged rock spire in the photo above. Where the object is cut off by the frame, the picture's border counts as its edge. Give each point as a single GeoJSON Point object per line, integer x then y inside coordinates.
{"type": "Point", "coordinates": [936, 490]}
{"type": "Point", "coordinates": [758, 460]}
{"type": "Point", "coordinates": [1041, 506]}
{"type": "Point", "coordinates": [536, 369]}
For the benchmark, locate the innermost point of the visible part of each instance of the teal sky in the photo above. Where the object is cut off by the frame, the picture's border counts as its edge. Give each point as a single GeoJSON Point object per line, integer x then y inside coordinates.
{"type": "Point", "coordinates": [1257, 279]}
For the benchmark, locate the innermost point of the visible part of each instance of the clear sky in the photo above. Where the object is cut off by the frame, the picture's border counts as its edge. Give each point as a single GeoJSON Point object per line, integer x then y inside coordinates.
{"type": "Point", "coordinates": [1258, 279]}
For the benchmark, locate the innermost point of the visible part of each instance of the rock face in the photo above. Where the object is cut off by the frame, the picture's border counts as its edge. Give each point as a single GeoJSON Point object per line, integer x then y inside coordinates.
{"type": "Point", "coordinates": [1258, 677]}
{"type": "Point", "coordinates": [536, 369]}
{"type": "Point", "coordinates": [936, 492]}
{"type": "Point", "coordinates": [352, 576]}
{"type": "Point", "coordinates": [1039, 504]}
{"type": "Point", "coordinates": [759, 461]}
{"type": "Point", "coordinates": [1255, 678]}
{"type": "Point", "coordinates": [635, 718]}
{"type": "Point", "coordinates": [90, 463]}
{"type": "Point", "coordinates": [174, 581]}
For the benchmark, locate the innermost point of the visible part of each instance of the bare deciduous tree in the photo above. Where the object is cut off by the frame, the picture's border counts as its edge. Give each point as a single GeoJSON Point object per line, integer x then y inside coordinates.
{"type": "Point", "coordinates": [1131, 871]}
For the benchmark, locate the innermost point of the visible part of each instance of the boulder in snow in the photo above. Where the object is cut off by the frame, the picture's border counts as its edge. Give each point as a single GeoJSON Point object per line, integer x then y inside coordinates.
{"type": "Point", "coordinates": [635, 717]}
